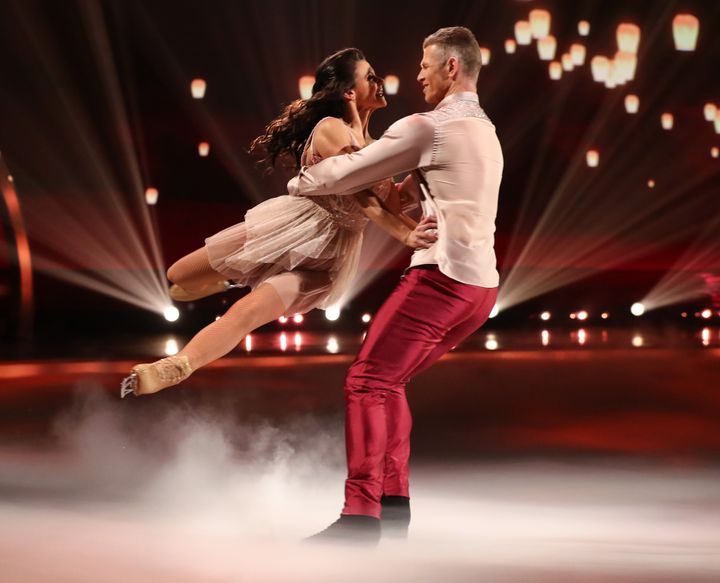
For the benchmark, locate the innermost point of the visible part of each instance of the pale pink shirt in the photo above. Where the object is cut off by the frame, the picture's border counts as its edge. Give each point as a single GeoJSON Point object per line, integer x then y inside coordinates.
{"type": "Point", "coordinates": [457, 152]}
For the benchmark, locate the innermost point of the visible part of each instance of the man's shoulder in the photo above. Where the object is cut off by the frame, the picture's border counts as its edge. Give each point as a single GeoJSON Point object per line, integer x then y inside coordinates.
{"type": "Point", "coordinates": [418, 123]}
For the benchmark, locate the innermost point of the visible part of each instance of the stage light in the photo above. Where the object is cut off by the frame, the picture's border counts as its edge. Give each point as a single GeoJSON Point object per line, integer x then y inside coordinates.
{"type": "Point", "coordinates": [593, 158]}
{"type": "Point", "coordinates": [545, 316]}
{"type": "Point", "coordinates": [632, 103]}
{"type": "Point", "coordinates": [151, 196]}
{"type": "Point", "coordinates": [717, 122]}
{"type": "Point", "coordinates": [573, 316]}
{"type": "Point", "coordinates": [637, 309]}
{"type": "Point", "coordinates": [625, 66]}
{"type": "Point", "coordinates": [705, 335]}
{"type": "Point", "coordinates": [547, 46]}
{"type": "Point", "coordinates": [555, 71]}
{"type": "Point", "coordinates": [709, 111]}
{"type": "Point", "coordinates": [510, 46]}
{"type": "Point", "coordinates": [203, 149]}
{"type": "Point", "coordinates": [651, 183]}
{"type": "Point", "coordinates": [567, 62]}
{"type": "Point", "coordinates": [391, 84]}
{"type": "Point", "coordinates": [171, 313]}
{"type": "Point", "coordinates": [305, 85]}
{"type": "Point", "coordinates": [683, 314]}
{"type": "Point", "coordinates": [637, 341]}
{"type": "Point", "coordinates": [10, 178]}
{"type": "Point", "coordinates": [545, 335]}
{"type": "Point", "coordinates": [283, 319]}
{"type": "Point", "coordinates": [578, 52]}
{"type": "Point", "coordinates": [584, 28]}
{"type": "Point", "coordinates": [706, 313]}
{"type": "Point", "coordinates": [484, 56]}
{"type": "Point", "coordinates": [604, 315]}
{"type": "Point", "coordinates": [366, 318]}
{"type": "Point", "coordinates": [298, 318]}
{"type": "Point", "coordinates": [297, 339]}
{"type": "Point", "coordinates": [582, 337]}
{"type": "Point", "coordinates": [283, 341]}
{"type": "Point", "coordinates": [171, 347]}
{"type": "Point", "coordinates": [332, 313]}
{"type": "Point", "coordinates": [197, 88]}
{"type": "Point", "coordinates": [600, 67]}
{"type": "Point", "coordinates": [491, 343]}
{"type": "Point", "coordinates": [667, 120]}
{"type": "Point", "coordinates": [248, 343]}
{"type": "Point", "coordinates": [715, 152]}
{"type": "Point", "coordinates": [628, 37]}
{"type": "Point", "coordinates": [332, 345]}
{"type": "Point", "coordinates": [539, 23]}
{"type": "Point", "coordinates": [685, 32]}
{"type": "Point", "coordinates": [612, 77]}
{"type": "Point", "coordinates": [494, 312]}
{"type": "Point", "coordinates": [523, 32]}
{"type": "Point", "coordinates": [582, 315]}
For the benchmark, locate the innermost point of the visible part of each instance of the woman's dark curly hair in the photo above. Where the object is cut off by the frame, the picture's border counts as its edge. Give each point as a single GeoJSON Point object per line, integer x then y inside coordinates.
{"type": "Point", "coordinates": [284, 138]}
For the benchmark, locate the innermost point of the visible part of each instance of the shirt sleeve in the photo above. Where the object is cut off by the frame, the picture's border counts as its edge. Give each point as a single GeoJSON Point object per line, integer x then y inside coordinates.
{"type": "Point", "coordinates": [406, 145]}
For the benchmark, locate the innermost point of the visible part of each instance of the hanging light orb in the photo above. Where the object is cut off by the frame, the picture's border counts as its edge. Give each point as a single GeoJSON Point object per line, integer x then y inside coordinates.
{"type": "Point", "coordinates": [583, 28]}
{"type": "Point", "coordinates": [628, 37]}
{"type": "Point", "coordinates": [305, 85]}
{"type": "Point", "coordinates": [715, 152]}
{"type": "Point", "coordinates": [151, 196]}
{"type": "Point", "coordinates": [197, 88]}
{"type": "Point", "coordinates": [510, 46]}
{"type": "Point", "coordinates": [632, 103]}
{"type": "Point", "coordinates": [523, 32]}
{"type": "Point", "coordinates": [484, 55]}
{"type": "Point", "coordinates": [600, 67]}
{"type": "Point", "coordinates": [710, 110]}
{"type": "Point", "coordinates": [578, 52]}
{"type": "Point", "coordinates": [392, 84]}
{"type": "Point", "coordinates": [203, 149]}
{"type": "Point", "coordinates": [547, 47]}
{"type": "Point", "coordinates": [667, 120]}
{"type": "Point", "coordinates": [555, 70]}
{"type": "Point", "coordinates": [539, 23]}
{"type": "Point", "coordinates": [593, 158]}
{"type": "Point", "coordinates": [685, 32]}
{"type": "Point", "coordinates": [626, 64]}
{"type": "Point", "coordinates": [567, 62]}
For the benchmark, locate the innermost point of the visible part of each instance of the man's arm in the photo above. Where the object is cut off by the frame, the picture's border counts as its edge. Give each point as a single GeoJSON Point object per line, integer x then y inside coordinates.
{"type": "Point", "coordinates": [406, 145]}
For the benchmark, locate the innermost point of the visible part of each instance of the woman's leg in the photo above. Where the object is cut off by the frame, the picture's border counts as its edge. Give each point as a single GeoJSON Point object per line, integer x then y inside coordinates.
{"type": "Point", "coordinates": [193, 271]}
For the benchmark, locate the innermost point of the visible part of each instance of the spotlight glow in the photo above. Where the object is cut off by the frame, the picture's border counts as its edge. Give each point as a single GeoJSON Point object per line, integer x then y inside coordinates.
{"type": "Point", "coordinates": [197, 88]}
{"type": "Point", "coordinates": [523, 32]}
{"type": "Point", "coordinates": [332, 345]}
{"type": "Point", "coordinates": [494, 312]}
{"type": "Point", "coordinates": [297, 340]}
{"type": "Point", "coordinates": [540, 23]}
{"type": "Point", "coordinates": [685, 32]}
{"type": "Point", "coordinates": [305, 85]}
{"type": "Point", "coordinates": [715, 152]}
{"type": "Point", "coordinates": [582, 315]}
{"type": "Point", "coordinates": [283, 319]}
{"type": "Point", "coordinates": [171, 313]}
{"type": "Point", "coordinates": [706, 313]}
{"type": "Point", "coordinates": [555, 71]}
{"type": "Point", "coordinates": [545, 316]}
{"type": "Point", "coordinates": [667, 120]}
{"type": "Point", "coordinates": [582, 337]}
{"type": "Point", "coordinates": [637, 309]}
{"type": "Point", "coordinates": [248, 343]}
{"type": "Point", "coordinates": [583, 28]}
{"type": "Point", "coordinates": [547, 47]}
{"type": "Point", "coordinates": [151, 196]}
{"type": "Point", "coordinates": [510, 46]}
{"type": "Point", "coordinates": [604, 315]}
{"type": "Point", "coordinates": [637, 341]}
{"type": "Point", "coordinates": [491, 343]}
{"type": "Point", "coordinates": [545, 336]}
{"type": "Point", "coordinates": [578, 53]}
{"type": "Point", "coordinates": [203, 149]}
{"type": "Point", "coordinates": [298, 318]}
{"type": "Point", "coordinates": [171, 347]}
{"type": "Point", "coordinates": [366, 318]}
{"type": "Point", "coordinates": [332, 313]}
{"type": "Point", "coordinates": [484, 56]}
{"type": "Point", "coordinates": [651, 183]}
{"type": "Point", "coordinates": [592, 158]}
{"type": "Point", "coordinates": [632, 103]}
{"type": "Point", "coordinates": [283, 341]}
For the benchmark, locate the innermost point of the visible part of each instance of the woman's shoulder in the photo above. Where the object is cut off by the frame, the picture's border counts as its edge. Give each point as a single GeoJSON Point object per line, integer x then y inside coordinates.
{"type": "Point", "coordinates": [330, 126]}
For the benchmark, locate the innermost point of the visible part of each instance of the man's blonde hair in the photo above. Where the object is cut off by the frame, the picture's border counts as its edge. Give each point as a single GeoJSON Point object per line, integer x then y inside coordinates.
{"type": "Point", "coordinates": [460, 42]}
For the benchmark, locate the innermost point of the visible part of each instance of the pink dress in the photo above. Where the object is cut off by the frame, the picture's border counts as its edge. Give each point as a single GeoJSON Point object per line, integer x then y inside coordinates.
{"type": "Point", "coordinates": [307, 248]}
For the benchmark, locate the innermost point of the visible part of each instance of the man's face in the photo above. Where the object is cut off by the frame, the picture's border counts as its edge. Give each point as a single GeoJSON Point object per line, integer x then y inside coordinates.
{"type": "Point", "coordinates": [434, 75]}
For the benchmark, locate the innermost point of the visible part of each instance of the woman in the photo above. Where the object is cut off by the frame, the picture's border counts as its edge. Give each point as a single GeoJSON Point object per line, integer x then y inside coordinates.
{"type": "Point", "coordinates": [295, 253]}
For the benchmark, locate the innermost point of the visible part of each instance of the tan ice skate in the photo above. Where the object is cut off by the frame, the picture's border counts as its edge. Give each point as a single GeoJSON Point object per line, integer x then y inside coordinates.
{"type": "Point", "coordinates": [145, 379]}
{"type": "Point", "coordinates": [180, 294]}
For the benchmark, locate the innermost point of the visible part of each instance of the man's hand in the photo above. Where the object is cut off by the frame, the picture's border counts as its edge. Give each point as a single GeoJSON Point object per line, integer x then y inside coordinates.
{"type": "Point", "coordinates": [424, 235]}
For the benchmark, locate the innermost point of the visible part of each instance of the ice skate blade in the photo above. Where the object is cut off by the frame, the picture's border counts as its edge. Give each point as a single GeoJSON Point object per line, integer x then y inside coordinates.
{"type": "Point", "coordinates": [128, 385]}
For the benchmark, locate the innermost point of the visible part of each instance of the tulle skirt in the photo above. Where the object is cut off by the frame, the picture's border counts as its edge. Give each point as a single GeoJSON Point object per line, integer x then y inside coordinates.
{"type": "Point", "coordinates": [289, 234]}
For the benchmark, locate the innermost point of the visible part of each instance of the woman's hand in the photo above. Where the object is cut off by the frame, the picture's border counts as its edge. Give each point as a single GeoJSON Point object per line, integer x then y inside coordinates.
{"type": "Point", "coordinates": [424, 235]}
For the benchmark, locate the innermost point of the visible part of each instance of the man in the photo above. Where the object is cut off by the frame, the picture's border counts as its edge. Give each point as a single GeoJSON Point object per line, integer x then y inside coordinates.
{"type": "Point", "coordinates": [448, 290]}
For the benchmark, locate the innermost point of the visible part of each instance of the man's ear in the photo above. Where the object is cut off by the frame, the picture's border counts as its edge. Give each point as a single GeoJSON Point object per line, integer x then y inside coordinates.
{"type": "Point", "coordinates": [453, 65]}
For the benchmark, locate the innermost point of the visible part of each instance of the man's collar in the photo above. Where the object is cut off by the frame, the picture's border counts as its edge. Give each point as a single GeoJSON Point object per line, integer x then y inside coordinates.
{"type": "Point", "coordinates": [461, 96]}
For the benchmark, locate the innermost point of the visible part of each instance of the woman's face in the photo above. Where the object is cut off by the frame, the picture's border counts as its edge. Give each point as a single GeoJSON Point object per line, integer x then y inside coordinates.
{"type": "Point", "coordinates": [369, 88]}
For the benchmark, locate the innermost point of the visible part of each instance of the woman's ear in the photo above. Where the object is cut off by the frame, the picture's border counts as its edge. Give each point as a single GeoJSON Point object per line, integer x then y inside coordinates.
{"type": "Point", "coordinates": [350, 95]}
